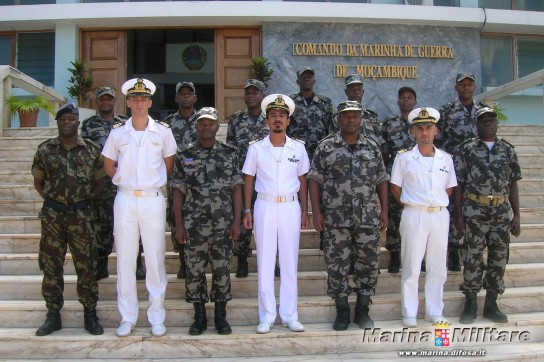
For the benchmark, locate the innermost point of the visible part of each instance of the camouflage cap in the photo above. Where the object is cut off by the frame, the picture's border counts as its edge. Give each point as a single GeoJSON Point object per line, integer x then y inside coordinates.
{"type": "Point", "coordinates": [464, 75]}
{"type": "Point", "coordinates": [485, 110]}
{"type": "Point", "coordinates": [304, 69]}
{"type": "Point", "coordinates": [423, 115]}
{"type": "Point", "coordinates": [138, 87]}
{"type": "Point", "coordinates": [103, 91]}
{"type": "Point", "coordinates": [185, 84]}
{"type": "Point", "coordinates": [207, 113]}
{"type": "Point", "coordinates": [67, 108]}
{"type": "Point", "coordinates": [255, 83]}
{"type": "Point", "coordinates": [279, 101]}
{"type": "Point", "coordinates": [354, 79]}
{"type": "Point", "coordinates": [347, 106]}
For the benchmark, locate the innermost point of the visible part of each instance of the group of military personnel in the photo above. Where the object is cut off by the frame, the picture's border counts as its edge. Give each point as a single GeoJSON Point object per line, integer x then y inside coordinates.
{"type": "Point", "coordinates": [351, 153]}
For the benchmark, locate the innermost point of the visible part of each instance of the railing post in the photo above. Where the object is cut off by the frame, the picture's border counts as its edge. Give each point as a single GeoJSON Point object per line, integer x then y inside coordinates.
{"type": "Point", "coordinates": [5, 90]}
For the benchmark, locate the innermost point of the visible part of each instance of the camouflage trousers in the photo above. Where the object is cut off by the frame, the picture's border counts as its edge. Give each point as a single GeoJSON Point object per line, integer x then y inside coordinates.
{"type": "Point", "coordinates": [485, 226]}
{"type": "Point", "coordinates": [454, 238]}
{"type": "Point", "coordinates": [60, 231]}
{"type": "Point", "coordinates": [199, 250]}
{"type": "Point", "coordinates": [103, 224]}
{"type": "Point", "coordinates": [171, 220]}
{"type": "Point", "coordinates": [338, 245]}
{"type": "Point", "coordinates": [392, 242]}
{"type": "Point", "coordinates": [242, 246]}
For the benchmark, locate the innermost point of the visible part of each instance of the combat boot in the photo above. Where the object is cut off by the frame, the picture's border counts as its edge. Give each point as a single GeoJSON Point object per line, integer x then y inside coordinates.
{"type": "Point", "coordinates": [469, 311]}
{"type": "Point", "coordinates": [140, 272]}
{"type": "Point", "coordinates": [91, 322]}
{"type": "Point", "coordinates": [102, 268]}
{"type": "Point", "coordinates": [491, 309]}
{"type": "Point", "coordinates": [242, 270]}
{"type": "Point", "coordinates": [453, 259]}
{"type": "Point", "coordinates": [52, 323]}
{"type": "Point", "coordinates": [394, 262]}
{"type": "Point", "coordinates": [342, 320]}
{"type": "Point", "coordinates": [201, 322]}
{"type": "Point", "coordinates": [361, 312]}
{"type": "Point", "coordinates": [220, 319]}
{"type": "Point", "coordinates": [182, 273]}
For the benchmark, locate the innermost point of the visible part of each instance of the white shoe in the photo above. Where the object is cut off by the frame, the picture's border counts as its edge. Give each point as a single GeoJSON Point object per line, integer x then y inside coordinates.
{"type": "Point", "coordinates": [158, 330]}
{"type": "Point", "coordinates": [294, 326]}
{"type": "Point", "coordinates": [437, 319]}
{"type": "Point", "coordinates": [124, 329]}
{"type": "Point", "coordinates": [264, 327]}
{"type": "Point", "coordinates": [409, 322]}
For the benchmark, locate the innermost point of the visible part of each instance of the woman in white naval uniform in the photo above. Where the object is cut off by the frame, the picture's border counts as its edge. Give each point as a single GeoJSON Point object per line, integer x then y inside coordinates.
{"type": "Point", "coordinates": [422, 180]}
{"type": "Point", "coordinates": [138, 155]}
{"type": "Point", "coordinates": [279, 165]}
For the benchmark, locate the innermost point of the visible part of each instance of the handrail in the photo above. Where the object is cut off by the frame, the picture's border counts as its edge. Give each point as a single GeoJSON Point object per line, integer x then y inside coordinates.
{"type": "Point", "coordinates": [13, 78]}
{"type": "Point", "coordinates": [511, 87]}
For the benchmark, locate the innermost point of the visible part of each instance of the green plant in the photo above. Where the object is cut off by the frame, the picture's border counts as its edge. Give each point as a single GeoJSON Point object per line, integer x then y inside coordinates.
{"type": "Point", "coordinates": [500, 112]}
{"type": "Point", "coordinates": [260, 69]}
{"type": "Point", "coordinates": [26, 105]}
{"type": "Point", "coordinates": [82, 84]}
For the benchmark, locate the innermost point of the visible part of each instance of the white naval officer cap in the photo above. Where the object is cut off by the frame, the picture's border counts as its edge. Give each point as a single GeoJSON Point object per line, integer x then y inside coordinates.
{"type": "Point", "coordinates": [279, 101]}
{"type": "Point", "coordinates": [423, 115]}
{"type": "Point", "coordinates": [138, 87]}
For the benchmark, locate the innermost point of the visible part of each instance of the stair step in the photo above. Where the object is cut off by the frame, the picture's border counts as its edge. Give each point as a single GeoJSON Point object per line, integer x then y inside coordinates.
{"type": "Point", "coordinates": [243, 311]}
{"type": "Point", "coordinates": [25, 151]}
{"type": "Point", "coordinates": [311, 283]}
{"type": "Point", "coordinates": [31, 132]}
{"type": "Point", "coordinates": [23, 177]}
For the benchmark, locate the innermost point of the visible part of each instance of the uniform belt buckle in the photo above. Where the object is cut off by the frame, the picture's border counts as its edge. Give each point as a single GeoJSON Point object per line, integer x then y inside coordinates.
{"type": "Point", "coordinates": [280, 199]}
{"type": "Point", "coordinates": [138, 193]}
{"type": "Point", "coordinates": [433, 209]}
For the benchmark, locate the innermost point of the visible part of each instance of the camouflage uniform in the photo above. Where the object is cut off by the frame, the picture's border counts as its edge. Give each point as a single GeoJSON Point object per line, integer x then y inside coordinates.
{"type": "Point", "coordinates": [67, 218]}
{"type": "Point", "coordinates": [396, 133]}
{"type": "Point", "coordinates": [206, 177]}
{"type": "Point", "coordinates": [370, 126]}
{"type": "Point", "coordinates": [455, 126]}
{"type": "Point", "coordinates": [184, 131]}
{"type": "Point", "coordinates": [484, 172]}
{"type": "Point", "coordinates": [242, 130]}
{"type": "Point", "coordinates": [97, 129]}
{"type": "Point", "coordinates": [348, 182]}
{"type": "Point", "coordinates": [312, 122]}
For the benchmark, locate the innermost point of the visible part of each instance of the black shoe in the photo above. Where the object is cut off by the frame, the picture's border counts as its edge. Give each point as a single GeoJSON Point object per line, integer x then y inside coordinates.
{"type": "Point", "coordinates": [52, 323]}
{"type": "Point", "coordinates": [220, 319]}
{"type": "Point", "coordinates": [201, 322]}
{"type": "Point", "coordinates": [491, 309]}
{"type": "Point", "coordinates": [394, 262]}
{"type": "Point", "coordinates": [140, 271]}
{"type": "Point", "coordinates": [242, 270]}
{"type": "Point", "coordinates": [469, 311]}
{"type": "Point", "coordinates": [341, 323]}
{"type": "Point", "coordinates": [361, 312]}
{"type": "Point", "coordinates": [182, 273]}
{"type": "Point", "coordinates": [277, 272]}
{"type": "Point", "coordinates": [91, 322]}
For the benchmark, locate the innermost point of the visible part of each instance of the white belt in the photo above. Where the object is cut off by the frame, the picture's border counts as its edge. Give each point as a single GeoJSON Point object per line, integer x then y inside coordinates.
{"type": "Point", "coordinates": [427, 208]}
{"type": "Point", "coordinates": [141, 193]}
{"type": "Point", "coordinates": [273, 198]}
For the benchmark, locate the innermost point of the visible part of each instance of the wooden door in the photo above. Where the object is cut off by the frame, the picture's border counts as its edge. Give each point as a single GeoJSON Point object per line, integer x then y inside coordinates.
{"type": "Point", "coordinates": [105, 52]}
{"type": "Point", "coordinates": [234, 49]}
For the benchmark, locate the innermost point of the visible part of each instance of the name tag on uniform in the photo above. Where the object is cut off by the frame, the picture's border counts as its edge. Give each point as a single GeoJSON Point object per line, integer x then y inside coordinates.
{"type": "Point", "coordinates": [155, 144]}
{"type": "Point", "coordinates": [293, 159]}
{"type": "Point", "coordinates": [190, 161]}
{"type": "Point", "coordinates": [444, 169]}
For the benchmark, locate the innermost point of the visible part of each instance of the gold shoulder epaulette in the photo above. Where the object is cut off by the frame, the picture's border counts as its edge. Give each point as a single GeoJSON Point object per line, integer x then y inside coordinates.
{"type": "Point", "coordinates": [227, 145]}
{"type": "Point", "coordinates": [254, 141]}
{"type": "Point", "coordinates": [164, 124]}
{"type": "Point", "coordinates": [301, 141]}
{"type": "Point", "coordinates": [117, 125]}
{"type": "Point", "coordinates": [401, 151]}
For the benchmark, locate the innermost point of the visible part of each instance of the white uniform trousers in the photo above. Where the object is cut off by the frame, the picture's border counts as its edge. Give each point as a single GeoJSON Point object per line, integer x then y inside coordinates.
{"type": "Point", "coordinates": [146, 217]}
{"type": "Point", "coordinates": [277, 230]}
{"type": "Point", "coordinates": [423, 233]}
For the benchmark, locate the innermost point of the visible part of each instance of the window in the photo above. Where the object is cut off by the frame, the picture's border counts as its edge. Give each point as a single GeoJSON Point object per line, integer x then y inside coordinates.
{"type": "Point", "coordinates": [6, 53]}
{"type": "Point", "coordinates": [530, 55]}
{"type": "Point", "coordinates": [36, 56]}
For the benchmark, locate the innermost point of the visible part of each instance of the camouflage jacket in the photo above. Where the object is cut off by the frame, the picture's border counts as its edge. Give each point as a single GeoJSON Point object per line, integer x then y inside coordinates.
{"type": "Point", "coordinates": [97, 129]}
{"type": "Point", "coordinates": [487, 172]}
{"type": "Point", "coordinates": [183, 129]}
{"type": "Point", "coordinates": [241, 130]}
{"type": "Point", "coordinates": [370, 126]}
{"type": "Point", "coordinates": [348, 181]}
{"type": "Point", "coordinates": [310, 123]}
{"type": "Point", "coordinates": [68, 172]}
{"type": "Point", "coordinates": [456, 125]}
{"type": "Point", "coordinates": [396, 133]}
{"type": "Point", "coordinates": [206, 177]}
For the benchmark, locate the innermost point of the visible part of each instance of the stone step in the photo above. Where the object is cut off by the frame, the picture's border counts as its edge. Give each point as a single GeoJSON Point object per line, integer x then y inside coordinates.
{"type": "Point", "coordinates": [20, 207]}
{"type": "Point", "coordinates": [243, 311]}
{"type": "Point", "coordinates": [519, 129]}
{"type": "Point", "coordinates": [531, 160]}
{"type": "Point", "coordinates": [33, 142]}
{"type": "Point", "coordinates": [23, 177]}
{"type": "Point", "coordinates": [515, 139]}
{"type": "Point", "coordinates": [531, 185]}
{"type": "Point", "coordinates": [318, 343]}
{"type": "Point", "coordinates": [535, 148]}
{"type": "Point", "coordinates": [16, 164]}
{"type": "Point", "coordinates": [531, 199]}
{"type": "Point", "coordinates": [17, 152]}
{"type": "Point", "coordinates": [311, 283]}
{"type": "Point", "coordinates": [32, 132]}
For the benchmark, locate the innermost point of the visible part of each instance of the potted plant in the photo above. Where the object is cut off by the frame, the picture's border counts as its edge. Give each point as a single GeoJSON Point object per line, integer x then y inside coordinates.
{"type": "Point", "coordinates": [260, 69]}
{"type": "Point", "coordinates": [82, 84]}
{"type": "Point", "coordinates": [28, 109]}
